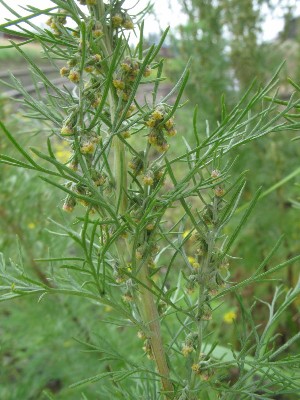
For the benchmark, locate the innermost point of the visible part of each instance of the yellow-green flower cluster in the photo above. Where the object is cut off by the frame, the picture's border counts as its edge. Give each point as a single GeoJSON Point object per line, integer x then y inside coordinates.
{"type": "Point", "coordinates": [159, 130]}
{"type": "Point", "coordinates": [69, 203]}
{"type": "Point", "coordinates": [137, 164]}
{"type": "Point", "coordinates": [148, 349]}
{"type": "Point", "coordinates": [126, 76]}
{"type": "Point", "coordinates": [62, 151]}
{"type": "Point", "coordinates": [189, 344]}
{"type": "Point", "coordinates": [57, 21]}
{"type": "Point", "coordinates": [122, 20]}
{"type": "Point", "coordinates": [229, 317]}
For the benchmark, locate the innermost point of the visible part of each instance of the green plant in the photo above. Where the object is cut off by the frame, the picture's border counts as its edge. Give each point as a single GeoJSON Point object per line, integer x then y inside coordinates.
{"type": "Point", "coordinates": [225, 39]}
{"type": "Point", "coordinates": [150, 242]}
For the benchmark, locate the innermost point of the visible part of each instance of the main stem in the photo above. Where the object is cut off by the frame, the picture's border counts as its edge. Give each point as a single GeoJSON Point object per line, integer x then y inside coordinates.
{"type": "Point", "coordinates": [148, 306]}
{"type": "Point", "coordinates": [151, 319]}
{"type": "Point", "coordinates": [120, 175]}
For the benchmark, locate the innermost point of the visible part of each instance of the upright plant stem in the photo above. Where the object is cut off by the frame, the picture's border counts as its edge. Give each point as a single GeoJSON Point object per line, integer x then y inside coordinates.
{"type": "Point", "coordinates": [120, 175]}
{"type": "Point", "coordinates": [151, 319]}
{"type": "Point", "coordinates": [120, 169]}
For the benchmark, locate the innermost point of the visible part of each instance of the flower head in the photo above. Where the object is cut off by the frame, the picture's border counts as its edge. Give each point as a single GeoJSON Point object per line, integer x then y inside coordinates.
{"type": "Point", "coordinates": [229, 317]}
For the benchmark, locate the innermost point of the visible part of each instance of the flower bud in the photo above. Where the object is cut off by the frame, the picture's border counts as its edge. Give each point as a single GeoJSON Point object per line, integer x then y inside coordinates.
{"type": "Point", "coordinates": [97, 33]}
{"type": "Point", "coordinates": [119, 84]}
{"type": "Point", "coordinates": [67, 130]}
{"type": "Point", "coordinates": [151, 122]}
{"type": "Point", "coordinates": [87, 148]}
{"type": "Point", "coordinates": [72, 62]}
{"type": "Point", "coordinates": [169, 124]}
{"type": "Point", "coordinates": [157, 115]}
{"type": "Point", "coordinates": [215, 173]}
{"type": "Point", "coordinates": [117, 20]}
{"type": "Point", "coordinates": [69, 203]}
{"type": "Point", "coordinates": [127, 23]}
{"type": "Point", "coordinates": [89, 68]}
{"type": "Point", "coordinates": [141, 335]}
{"type": "Point", "coordinates": [64, 71]}
{"type": "Point", "coordinates": [186, 350]}
{"type": "Point", "coordinates": [136, 164]}
{"type": "Point", "coordinates": [98, 178]}
{"type": "Point", "coordinates": [150, 227]}
{"type": "Point", "coordinates": [148, 349]}
{"type": "Point", "coordinates": [126, 66]}
{"type": "Point", "coordinates": [73, 165]}
{"type": "Point", "coordinates": [148, 178]}
{"type": "Point", "coordinates": [74, 76]}
{"type": "Point", "coordinates": [127, 297]}
{"type": "Point", "coordinates": [219, 191]}
{"type": "Point", "coordinates": [147, 71]}
{"type": "Point", "coordinates": [139, 254]}
{"type": "Point", "coordinates": [171, 132]}
{"type": "Point", "coordinates": [126, 134]}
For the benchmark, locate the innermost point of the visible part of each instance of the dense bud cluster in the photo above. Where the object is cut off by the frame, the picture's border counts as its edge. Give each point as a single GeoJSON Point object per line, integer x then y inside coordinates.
{"type": "Point", "coordinates": [122, 20]}
{"type": "Point", "coordinates": [208, 264]}
{"type": "Point", "coordinates": [158, 129]}
{"type": "Point", "coordinates": [126, 75]}
{"type": "Point", "coordinates": [190, 344]}
{"type": "Point", "coordinates": [203, 368]}
{"type": "Point", "coordinates": [57, 21]}
{"type": "Point", "coordinates": [137, 164]}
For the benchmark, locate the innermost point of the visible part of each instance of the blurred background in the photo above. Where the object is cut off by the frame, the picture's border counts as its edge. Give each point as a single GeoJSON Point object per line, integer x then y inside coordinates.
{"type": "Point", "coordinates": [231, 42]}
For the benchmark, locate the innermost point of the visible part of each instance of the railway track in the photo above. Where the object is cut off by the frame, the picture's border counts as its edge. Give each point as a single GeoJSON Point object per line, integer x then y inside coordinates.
{"type": "Point", "coordinates": [25, 77]}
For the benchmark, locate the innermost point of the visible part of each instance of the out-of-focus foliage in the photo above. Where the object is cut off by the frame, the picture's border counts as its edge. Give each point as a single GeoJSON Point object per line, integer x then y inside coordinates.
{"type": "Point", "coordinates": [224, 40]}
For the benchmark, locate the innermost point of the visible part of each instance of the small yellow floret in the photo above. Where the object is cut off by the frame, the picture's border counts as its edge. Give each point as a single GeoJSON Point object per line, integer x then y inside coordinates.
{"type": "Point", "coordinates": [191, 260]}
{"type": "Point", "coordinates": [141, 335]}
{"type": "Point", "coordinates": [68, 208]}
{"type": "Point", "coordinates": [184, 235]}
{"type": "Point", "coordinates": [126, 67]}
{"type": "Point", "coordinates": [64, 71]}
{"type": "Point", "coordinates": [157, 115]}
{"type": "Point", "coordinates": [219, 191]}
{"type": "Point", "coordinates": [169, 124]}
{"type": "Point", "coordinates": [89, 68]}
{"type": "Point", "coordinates": [97, 33]}
{"type": "Point", "coordinates": [147, 71]}
{"type": "Point", "coordinates": [150, 227]}
{"type": "Point", "coordinates": [186, 350]}
{"type": "Point", "coordinates": [196, 368]}
{"type": "Point", "coordinates": [74, 76]}
{"type": "Point", "coordinates": [151, 122]}
{"type": "Point", "coordinates": [127, 297]}
{"type": "Point", "coordinates": [117, 20]}
{"type": "Point", "coordinates": [119, 84]}
{"type": "Point", "coordinates": [229, 317]}
{"type": "Point", "coordinates": [148, 180]}
{"type": "Point", "coordinates": [171, 132]}
{"type": "Point", "coordinates": [66, 130]}
{"type": "Point", "coordinates": [63, 155]}
{"type": "Point", "coordinates": [87, 148]}
{"type": "Point", "coordinates": [128, 24]}
{"type": "Point", "coordinates": [96, 57]}
{"type": "Point", "coordinates": [163, 147]}
{"type": "Point", "coordinates": [126, 134]}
